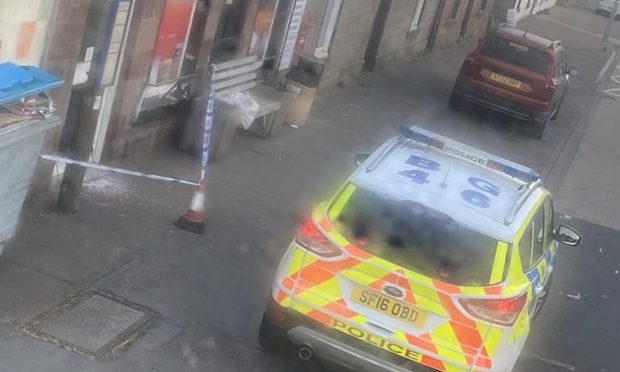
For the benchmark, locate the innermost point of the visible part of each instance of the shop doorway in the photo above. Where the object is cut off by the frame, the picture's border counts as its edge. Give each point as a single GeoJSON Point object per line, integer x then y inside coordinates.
{"type": "Point", "coordinates": [378, 27]}
{"type": "Point", "coordinates": [228, 38]}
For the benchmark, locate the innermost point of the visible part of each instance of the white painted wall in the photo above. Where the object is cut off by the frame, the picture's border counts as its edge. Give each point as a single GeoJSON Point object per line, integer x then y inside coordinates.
{"type": "Point", "coordinates": [14, 16]}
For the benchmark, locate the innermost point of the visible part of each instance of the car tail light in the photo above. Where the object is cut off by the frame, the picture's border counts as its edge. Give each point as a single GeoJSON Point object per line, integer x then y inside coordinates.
{"type": "Point", "coordinates": [551, 86]}
{"type": "Point", "coordinates": [310, 237]}
{"type": "Point", "coordinates": [500, 311]}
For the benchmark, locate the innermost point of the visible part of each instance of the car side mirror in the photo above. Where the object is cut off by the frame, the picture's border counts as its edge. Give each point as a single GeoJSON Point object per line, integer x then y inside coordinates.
{"type": "Point", "coordinates": [361, 158]}
{"type": "Point", "coordinates": [568, 236]}
{"type": "Point", "coordinates": [572, 71]}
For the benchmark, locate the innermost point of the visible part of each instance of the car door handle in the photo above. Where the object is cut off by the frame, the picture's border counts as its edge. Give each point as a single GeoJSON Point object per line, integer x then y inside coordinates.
{"type": "Point", "coordinates": [538, 290]}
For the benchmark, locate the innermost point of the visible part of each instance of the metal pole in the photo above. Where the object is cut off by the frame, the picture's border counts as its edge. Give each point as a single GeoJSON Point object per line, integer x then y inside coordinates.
{"type": "Point", "coordinates": [529, 19]}
{"type": "Point", "coordinates": [610, 23]}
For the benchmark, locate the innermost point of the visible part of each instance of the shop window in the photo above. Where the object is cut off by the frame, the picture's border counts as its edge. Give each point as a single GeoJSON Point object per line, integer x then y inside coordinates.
{"type": "Point", "coordinates": [24, 26]}
{"type": "Point", "coordinates": [417, 16]}
{"type": "Point", "coordinates": [263, 28]}
{"type": "Point", "coordinates": [171, 42]}
{"type": "Point", "coordinates": [328, 25]}
{"type": "Point", "coordinates": [455, 9]}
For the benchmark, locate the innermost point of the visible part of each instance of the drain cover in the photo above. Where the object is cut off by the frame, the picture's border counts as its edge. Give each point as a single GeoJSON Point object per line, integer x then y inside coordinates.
{"type": "Point", "coordinates": [95, 323]}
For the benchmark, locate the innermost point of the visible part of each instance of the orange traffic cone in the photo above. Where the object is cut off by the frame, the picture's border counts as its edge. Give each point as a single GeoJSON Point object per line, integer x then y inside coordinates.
{"type": "Point", "coordinates": [193, 219]}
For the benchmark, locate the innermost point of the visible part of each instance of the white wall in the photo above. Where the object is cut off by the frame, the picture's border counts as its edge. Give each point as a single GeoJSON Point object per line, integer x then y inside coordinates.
{"type": "Point", "coordinates": [18, 32]}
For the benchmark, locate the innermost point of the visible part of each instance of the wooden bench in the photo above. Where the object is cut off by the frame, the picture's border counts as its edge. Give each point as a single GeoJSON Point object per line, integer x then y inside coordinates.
{"type": "Point", "coordinates": [242, 75]}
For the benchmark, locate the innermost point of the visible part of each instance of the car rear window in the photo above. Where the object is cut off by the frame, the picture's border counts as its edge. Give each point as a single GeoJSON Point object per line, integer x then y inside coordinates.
{"type": "Point", "coordinates": [417, 238]}
{"type": "Point", "coordinates": [517, 54]}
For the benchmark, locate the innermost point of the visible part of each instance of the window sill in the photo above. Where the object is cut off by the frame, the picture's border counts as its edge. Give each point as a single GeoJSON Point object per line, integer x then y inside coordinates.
{"type": "Point", "coordinates": [412, 34]}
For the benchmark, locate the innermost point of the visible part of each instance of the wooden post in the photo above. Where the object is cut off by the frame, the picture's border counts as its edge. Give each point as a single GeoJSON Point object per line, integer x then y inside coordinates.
{"type": "Point", "coordinates": [81, 147]}
{"type": "Point", "coordinates": [192, 133]}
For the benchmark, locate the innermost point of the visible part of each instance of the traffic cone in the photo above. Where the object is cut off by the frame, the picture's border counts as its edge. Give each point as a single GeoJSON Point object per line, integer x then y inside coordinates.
{"type": "Point", "coordinates": [193, 219]}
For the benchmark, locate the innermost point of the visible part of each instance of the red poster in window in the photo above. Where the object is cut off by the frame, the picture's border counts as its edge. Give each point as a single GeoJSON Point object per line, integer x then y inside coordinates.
{"type": "Point", "coordinates": [24, 41]}
{"type": "Point", "coordinates": [171, 40]}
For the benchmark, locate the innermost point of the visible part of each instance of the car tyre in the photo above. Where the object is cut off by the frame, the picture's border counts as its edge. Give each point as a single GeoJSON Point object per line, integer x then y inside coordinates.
{"type": "Point", "coordinates": [271, 339]}
{"type": "Point", "coordinates": [538, 128]}
{"type": "Point", "coordinates": [456, 101]}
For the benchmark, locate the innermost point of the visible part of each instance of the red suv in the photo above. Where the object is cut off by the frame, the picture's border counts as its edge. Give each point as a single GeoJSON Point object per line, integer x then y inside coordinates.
{"type": "Point", "coordinates": [517, 73]}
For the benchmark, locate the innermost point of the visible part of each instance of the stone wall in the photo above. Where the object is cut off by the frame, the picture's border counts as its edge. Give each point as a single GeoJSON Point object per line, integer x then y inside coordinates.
{"type": "Point", "coordinates": [346, 55]}
{"type": "Point", "coordinates": [450, 27]}
{"type": "Point", "coordinates": [399, 41]}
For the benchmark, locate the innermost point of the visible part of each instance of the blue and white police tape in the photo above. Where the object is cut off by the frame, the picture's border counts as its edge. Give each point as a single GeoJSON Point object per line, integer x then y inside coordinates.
{"type": "Point", "coordinates": [86, 164]}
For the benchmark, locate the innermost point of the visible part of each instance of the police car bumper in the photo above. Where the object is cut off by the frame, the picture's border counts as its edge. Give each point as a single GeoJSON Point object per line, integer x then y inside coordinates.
{"type": "Point", "coordinates": [334, 346]}
{"type": "Point", "coordinates": [339, 352]}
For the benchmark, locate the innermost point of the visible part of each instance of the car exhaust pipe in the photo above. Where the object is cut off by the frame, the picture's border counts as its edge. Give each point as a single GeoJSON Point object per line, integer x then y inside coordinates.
{"type": "Point", "coordinates": [305, 353]}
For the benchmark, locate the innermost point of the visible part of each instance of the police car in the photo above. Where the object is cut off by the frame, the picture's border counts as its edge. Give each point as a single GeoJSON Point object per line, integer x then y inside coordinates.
{"type": "Point", "coordinates": [432, 256]}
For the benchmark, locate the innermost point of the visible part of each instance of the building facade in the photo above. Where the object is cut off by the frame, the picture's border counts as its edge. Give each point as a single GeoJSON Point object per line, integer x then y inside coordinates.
{"type": "Point", "coordinates": [125, 61]}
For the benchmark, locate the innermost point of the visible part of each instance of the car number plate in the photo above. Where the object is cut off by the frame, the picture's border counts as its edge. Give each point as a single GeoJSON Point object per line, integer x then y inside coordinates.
{"type": "Point", "coordinates": [389, 306]}
{"type": "Point", "coordinates": [506, 80]}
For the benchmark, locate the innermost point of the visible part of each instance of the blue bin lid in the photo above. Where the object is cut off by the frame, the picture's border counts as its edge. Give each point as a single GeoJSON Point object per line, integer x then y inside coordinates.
{"type": "Point", "coordinates": [17, 82]}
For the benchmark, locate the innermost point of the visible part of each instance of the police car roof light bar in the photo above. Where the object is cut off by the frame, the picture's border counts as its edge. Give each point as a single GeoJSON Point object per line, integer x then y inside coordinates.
{"type": "Point", "coordinates": [464, 152]}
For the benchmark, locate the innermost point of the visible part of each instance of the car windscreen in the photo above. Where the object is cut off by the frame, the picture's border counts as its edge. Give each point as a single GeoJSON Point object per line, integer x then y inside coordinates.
{"type": "Point", "coordinates": [417, 238]}
{"type": "Point", "coordinates": [517, 54]}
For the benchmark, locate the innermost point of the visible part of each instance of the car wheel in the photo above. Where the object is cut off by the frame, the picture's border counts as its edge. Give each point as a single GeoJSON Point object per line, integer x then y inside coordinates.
{"type": "Point", "coordinates": [272, 339]}
{"type": "Point", "coordinates": [538, 128]}
{"type": "Point", "coordinates": [456, 101]}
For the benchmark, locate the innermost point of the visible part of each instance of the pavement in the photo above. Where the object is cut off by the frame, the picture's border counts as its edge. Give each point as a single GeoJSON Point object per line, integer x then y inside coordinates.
{"type": "Point", "coordinates": [206, 293]}
{"type": "Point", "coordinates": [590, 187]}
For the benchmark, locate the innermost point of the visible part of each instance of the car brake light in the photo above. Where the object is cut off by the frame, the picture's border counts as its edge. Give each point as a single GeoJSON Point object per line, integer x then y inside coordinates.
{"type": "Point", "coordinates": [551, 86]}
{"type": "Point", "coordinates": [310, 237]}
{"type": "Point", "coordinates": [500, 311]}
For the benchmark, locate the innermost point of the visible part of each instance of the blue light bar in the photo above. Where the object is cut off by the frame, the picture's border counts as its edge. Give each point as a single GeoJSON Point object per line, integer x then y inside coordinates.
{"type": "Point", "coordinates": [464, 152]}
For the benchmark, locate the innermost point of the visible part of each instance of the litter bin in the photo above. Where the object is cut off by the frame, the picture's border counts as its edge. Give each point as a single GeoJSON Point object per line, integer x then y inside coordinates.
{"type": "Point", "coordinates": [24, 121]}
{"type": "Point", "coordinates": [303, 81]}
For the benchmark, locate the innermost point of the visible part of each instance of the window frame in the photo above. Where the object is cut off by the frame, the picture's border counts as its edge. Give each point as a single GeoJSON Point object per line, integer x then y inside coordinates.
{"type": "Point", "coordinates": [328, 28]}
{"type": "Point", "coordinates": [549, 228]}
{"type": "Point", "coordinates": [533, 261]}
{"type": "Point", "coordinates": [417, 15]}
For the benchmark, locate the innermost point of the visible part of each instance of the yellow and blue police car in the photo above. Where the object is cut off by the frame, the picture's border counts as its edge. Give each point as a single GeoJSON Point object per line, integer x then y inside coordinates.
{"type": "Point", "coordinates": [432, 256]}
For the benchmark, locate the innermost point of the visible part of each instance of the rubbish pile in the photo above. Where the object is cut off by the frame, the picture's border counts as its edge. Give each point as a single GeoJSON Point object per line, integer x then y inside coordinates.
{"type": "Point", "coordinates": [35, 106]}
